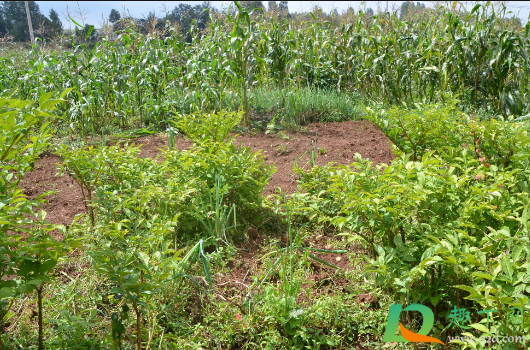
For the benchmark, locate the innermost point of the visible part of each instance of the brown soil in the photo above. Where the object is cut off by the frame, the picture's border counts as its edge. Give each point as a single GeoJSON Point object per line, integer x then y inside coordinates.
{"type": "Point", "coordinates": [320, 278]}
{"type": "Point", "coordinates": [335, 142]}
{"type": "Point", "coordinates": [63, 206]}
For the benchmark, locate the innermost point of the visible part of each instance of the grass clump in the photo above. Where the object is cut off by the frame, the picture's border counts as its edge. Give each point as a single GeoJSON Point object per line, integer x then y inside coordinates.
{"type": "Point", "coordinates": [300, 106]}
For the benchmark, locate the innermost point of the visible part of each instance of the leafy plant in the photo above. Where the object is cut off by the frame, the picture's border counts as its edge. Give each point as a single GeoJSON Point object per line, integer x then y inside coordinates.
{"type": "Point", "coordinates": [451, 219]}
{"type": "Point", "coordinates": [86, 170]}
{"type": "Point", "coordinates": [24, 263]}
{"type": "Point", "coordinates": [213, 127]}
{"type": "Point", "coordinates": [290, 286]}
{"type": "Point", "coordinates": [243, 174]}
{"type": "Point", "coordinates": [217, 218]}
{"type": "Point", "coordinates": [72, 331]}
{"type": "Point", "coordinates": [417, 131]}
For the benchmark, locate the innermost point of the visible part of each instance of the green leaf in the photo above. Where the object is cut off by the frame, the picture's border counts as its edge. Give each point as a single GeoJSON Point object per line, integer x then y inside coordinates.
{"type": "Point", "coordinates": [338, 251]}
{"type": "Point", "coordinates": [6, 292]}
{"type": "Point", "coordinates": [322, 261]}
{"type": "Point", "coordinates": [507, 266]}
{"type": "Point", "coordinates": [65, 92]}
{"type": "Point", "coordinates": [77, 24]}
{"type": "Point", "coordinates": [482, 275]}
{"type": "Point", "coordinates": [47, 266]}
{"type": "Point", "coordinates": [204, 262]}
{"type": "Point", "coordinates": [516, 253]}
{"type": "Point", "coordinates": [469, 289]}
{"type": "Point", "coordinates": [39, 281]}
{"type": "Point", "coordinates": [45, 97]}
{"type": "Point", "coordinates": [480, 327]}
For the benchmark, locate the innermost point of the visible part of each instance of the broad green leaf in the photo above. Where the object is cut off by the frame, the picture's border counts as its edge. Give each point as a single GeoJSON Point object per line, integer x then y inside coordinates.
{"type": "Point", "coordinates": [507, 266]}
{"type": "Point", "coordinates": [6, 292]}
{"type": "Point", "coordinates": [482, 275]}
{"type": "Point", "coordinates": [480, 327]}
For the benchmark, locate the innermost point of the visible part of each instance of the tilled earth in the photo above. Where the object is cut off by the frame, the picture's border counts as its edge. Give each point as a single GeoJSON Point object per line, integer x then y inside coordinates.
{"type": "Point", "coordinates": [333, 142]}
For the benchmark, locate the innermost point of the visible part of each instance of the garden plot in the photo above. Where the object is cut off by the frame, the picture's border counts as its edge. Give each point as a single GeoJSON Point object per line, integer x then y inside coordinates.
{"type": "Point", "coordinates": [332, 142]}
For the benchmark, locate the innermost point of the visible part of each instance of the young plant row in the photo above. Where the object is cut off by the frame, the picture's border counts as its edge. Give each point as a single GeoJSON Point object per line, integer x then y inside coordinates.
{"type": "Point", "coordinates": [29, 250]}
{"type": "Point", "coordinates": [446, 223]}
{"type": "Point", "coordinates": [156, 235]}
{"type": "Point", "coordinates": [143, 214]}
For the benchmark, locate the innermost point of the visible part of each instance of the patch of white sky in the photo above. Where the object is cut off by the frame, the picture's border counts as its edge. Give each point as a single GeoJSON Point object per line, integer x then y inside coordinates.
{"type": "Point", "coordinates": [97, 12]}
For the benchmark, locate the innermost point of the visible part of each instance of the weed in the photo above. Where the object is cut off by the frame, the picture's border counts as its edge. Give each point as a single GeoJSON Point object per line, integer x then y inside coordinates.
{"type": "Point", "coordinates": [282, 149]}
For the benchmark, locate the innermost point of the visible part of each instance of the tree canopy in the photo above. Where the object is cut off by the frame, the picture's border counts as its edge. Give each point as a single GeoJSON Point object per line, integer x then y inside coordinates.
{"type": "Point", "coordinates": [114, 16]}
{"type": "Point", "coordinates": [13, 21]}
{"type": "Point", "coordinates": [185, 15]}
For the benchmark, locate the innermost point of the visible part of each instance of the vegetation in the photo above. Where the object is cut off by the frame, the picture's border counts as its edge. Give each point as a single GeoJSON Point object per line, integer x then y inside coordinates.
{"type": "Point", "coordinates": [13, 21]}
{"type": "Point", "coordinates": [445, 224]}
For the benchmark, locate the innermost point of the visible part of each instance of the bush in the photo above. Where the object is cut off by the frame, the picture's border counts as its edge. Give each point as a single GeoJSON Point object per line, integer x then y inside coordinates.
{"type": "Point", "coordinates": [444, 215]}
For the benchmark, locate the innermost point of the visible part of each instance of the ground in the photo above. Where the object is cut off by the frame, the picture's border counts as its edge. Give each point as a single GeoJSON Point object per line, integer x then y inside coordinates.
{"type": "Point", "coordinates": [335, 142]}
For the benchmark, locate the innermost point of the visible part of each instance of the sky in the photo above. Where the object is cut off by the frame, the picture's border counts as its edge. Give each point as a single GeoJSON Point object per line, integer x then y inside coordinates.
{"type": "Point", "coordinates": [94, 12]}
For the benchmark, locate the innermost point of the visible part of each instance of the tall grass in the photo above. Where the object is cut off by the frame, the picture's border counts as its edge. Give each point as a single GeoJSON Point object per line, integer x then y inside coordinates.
{"type": "Point", "coordinates": [299, 106]}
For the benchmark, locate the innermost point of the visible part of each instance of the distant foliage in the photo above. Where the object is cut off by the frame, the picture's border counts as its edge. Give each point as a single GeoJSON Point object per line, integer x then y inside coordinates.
{"type": "Point", "coordinates": [13, 21]}
{"type": "Point", "coordinates": [186, 15]}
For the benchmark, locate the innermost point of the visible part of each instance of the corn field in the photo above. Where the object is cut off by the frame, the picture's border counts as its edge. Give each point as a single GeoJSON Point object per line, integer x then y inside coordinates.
{"type": "Point", "coordinates": [140, 80]}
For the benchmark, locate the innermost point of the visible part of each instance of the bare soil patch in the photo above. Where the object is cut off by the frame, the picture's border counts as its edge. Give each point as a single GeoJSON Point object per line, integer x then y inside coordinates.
{"type": "Point", "coordinates": [334, 142]}
{"type": "Point", "coordinates": [63, 206]}
{"type": "Point", "coordinates": [321, 279]}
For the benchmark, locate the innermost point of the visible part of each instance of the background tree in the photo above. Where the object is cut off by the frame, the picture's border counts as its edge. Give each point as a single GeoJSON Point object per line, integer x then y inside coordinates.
{"type": "Point", "coordinates": [118, 23]}
{"type": "Point", "coordinates": [283, 9]}
{"type": "Point", "coordinates": [41, 27]}
{"type": "Point", "coordinates": [152, 24]}
{"type": "Point", "coordinates": [252, 5]}
{"type": "Point", "coordinates": [185, 15]}
{"type": "Point", "coordinates": [3, 25]}
{"type": "Point", "coordinates": [15, 20]}
{"type": "Point", "coordinates": [114, 16]}
{"type": "Point", "coordinates": [56, 26]}
{"type": "Point", "coordinates": [409, 9]}
{"type": "Point", "coordinates": [272, 8]}
{"type": "Point", "coordinates": [349, 13]}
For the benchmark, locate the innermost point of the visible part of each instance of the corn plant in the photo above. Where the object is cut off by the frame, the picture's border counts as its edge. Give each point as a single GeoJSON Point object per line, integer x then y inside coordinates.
{"type": "Point", "coordinates": [243, 58]}
{"type": "Point", "coordinates": [478, 56]}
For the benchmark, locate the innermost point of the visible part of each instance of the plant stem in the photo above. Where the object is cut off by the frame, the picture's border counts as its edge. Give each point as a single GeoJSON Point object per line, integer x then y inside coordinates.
{"type": "Point", "coordinates": [138, 326]}
{"type": "Point", "coordinates": [1, 330]}
{"type": "Point", "coordinates": [39, 307]}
